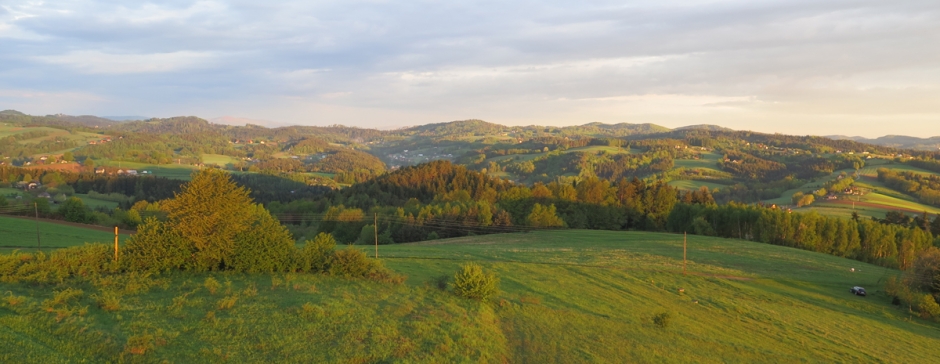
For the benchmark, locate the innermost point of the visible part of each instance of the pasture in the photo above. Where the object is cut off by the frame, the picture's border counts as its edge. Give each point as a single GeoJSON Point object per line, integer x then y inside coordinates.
{"type": "Point", "coordinates": [53, 133]}
{"type": "Point", "coordinates": [567, 296]}
{"type": "Point", "coordinates": [706, 161]}
{"type": "Point", "coordinates": [218, 159]}
{"type": "Point", "coordinates": [172, 171]}
{"type": "Point", "coordinates": [20, 233]}
{"type": "Point", "coordinates": [693, 185]}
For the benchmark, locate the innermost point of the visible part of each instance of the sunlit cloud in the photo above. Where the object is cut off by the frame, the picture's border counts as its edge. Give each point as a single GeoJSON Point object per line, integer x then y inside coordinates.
{"type": "Point", "coordinates": [777, 66]}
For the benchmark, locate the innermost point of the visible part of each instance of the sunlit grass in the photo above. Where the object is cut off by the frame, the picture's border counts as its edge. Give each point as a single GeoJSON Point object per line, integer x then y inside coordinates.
{"type": "Point", "coordinates": [566, 296]}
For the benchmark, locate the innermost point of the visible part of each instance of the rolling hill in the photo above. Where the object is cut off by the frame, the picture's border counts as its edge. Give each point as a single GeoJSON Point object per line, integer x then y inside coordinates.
{"type": "Point", "coordinates": [567, 296]}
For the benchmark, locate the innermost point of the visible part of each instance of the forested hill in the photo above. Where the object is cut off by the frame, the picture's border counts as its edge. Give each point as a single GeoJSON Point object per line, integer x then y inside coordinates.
{"type": "Point", "coordinates": [896, 141]}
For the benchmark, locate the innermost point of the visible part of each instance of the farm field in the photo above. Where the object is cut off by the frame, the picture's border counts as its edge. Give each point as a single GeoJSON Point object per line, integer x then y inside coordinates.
{"type": "Point", "coordinates": [218, 159]}
{"type": "Point", "coordinates": [708, 161]}
{"type": "Point", "coordinates": [567, 296]}
{"type": "Point", "coordinates": [872, 170]}
{"type": "Point", "coordinates": [20, 233]}
{"type": "Point", "coordinates": [94, 203]}
{"type": "Point", "coordinates": [81, 137]}
{"type": "Point", "coordinates": [690, 185]}
{"type": "Point", "coordinates": [173, 171]}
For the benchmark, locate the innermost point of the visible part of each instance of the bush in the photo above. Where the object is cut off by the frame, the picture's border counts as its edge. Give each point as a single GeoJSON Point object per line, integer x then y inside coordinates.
{"type": "Point", "coordinates": [471, 282]}
{"type": "Point", "coordinates": [662, 319]}
{"type": "Point", "coordinates": [928, 307]}
{"type": "Point", "coordinates": [350, 262]}
{"type": "Point", "coordinates": [265, 247]}
{"type": "Point", "coordinates": [155, 248]}
{"type": "Point", "coordinates": [317, 254]}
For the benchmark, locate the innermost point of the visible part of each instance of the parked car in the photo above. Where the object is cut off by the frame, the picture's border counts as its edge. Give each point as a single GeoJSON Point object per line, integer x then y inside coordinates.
{"type": "Point", "coordinates": [858, 291]}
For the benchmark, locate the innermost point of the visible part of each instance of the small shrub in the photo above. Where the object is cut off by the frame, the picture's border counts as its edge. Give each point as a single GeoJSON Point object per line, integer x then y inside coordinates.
{"type": "Point", "coordinates": [440, 282]}
{"type": "Point", "coordinates": [350, 262]}
{"type": "Point", "coordinates": [13, 300]}
{"type": "Point", "coordinates": [471, 282]}
{"type": "Point", "coordinates": [317, 254]}
{"type": "Point", "coordinates": [212, 285]}
{"type": "Point", "coordinates": [227, 302]}
{"type": "Point", "coordinates": [62, 298]}
{"type": "Point", "coordinates": [928, 307]}
{"type": "Point", "coordinates": [139, 344]}
{"type": "Point", "coordinates": [662, 319]}
{"type": "Point", "coordinates": [251, 290]}
{"type": "Point", "coordinates": [108, 301]}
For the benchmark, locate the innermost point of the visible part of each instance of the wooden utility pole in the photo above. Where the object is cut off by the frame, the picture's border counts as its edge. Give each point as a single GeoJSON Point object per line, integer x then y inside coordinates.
{"type": "Point", "coordinates": [685, 237]}
{"type": "Point", "coordinates": [115, 243]}
{"type": "Point", "coordinates": [375, 231]}
{"type": "Point", "coordinates": [38, 240]}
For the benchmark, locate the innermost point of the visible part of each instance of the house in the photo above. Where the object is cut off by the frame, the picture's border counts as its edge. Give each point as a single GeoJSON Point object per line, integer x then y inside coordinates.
{"type": "Point", "coordinates": [33, 185]}
{"type": "Point", "coordinates": [99, 170]}
{"type": "Point", "coordinates": [45, 195]}
{"type": "Point", "coordinates": [132, 172]}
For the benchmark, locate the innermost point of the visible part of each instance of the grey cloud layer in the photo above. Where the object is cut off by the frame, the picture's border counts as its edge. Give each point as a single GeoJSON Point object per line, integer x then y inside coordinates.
{"type": "Point", "coordinates": [671, 62]}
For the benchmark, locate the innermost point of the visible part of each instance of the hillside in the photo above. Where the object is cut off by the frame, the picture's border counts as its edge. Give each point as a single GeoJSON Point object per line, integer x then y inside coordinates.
{"type": "Point", "coordinates": [895, 141]}
{"type": "Point", "coordinates": [567, 296]}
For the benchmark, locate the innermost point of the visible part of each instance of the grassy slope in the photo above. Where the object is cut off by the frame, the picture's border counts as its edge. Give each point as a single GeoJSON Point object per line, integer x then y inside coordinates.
{"type": "Point", "coordinates": [173, 171]}
{"type": "Point", "coordinates": [689, 185]}
{"type": "Point", "coordinates": [795, 306]}
{"type": "Point", "coordinates": [95, 203]}
{"type": "Point", "coordinates": [17, 232]}
{"type": "Point", "coordinates": [218, 159]}
{"type": "Point", "coordinates": [568, 296]}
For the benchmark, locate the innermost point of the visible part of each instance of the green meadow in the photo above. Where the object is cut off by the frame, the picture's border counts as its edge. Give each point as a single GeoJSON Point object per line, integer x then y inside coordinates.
{"type": "Point", "coordinates": [566, 296]}
{"type": "Point", "coordinates": [218, 159]}
{"type": "Point", "coordinates": [692, 185]}
{"type": "Point", "coordinates": [172, 171]}
{"type": "Point", "coordinates": [94, 203]}
{"type": "Point", "coordinates": [20, 233]}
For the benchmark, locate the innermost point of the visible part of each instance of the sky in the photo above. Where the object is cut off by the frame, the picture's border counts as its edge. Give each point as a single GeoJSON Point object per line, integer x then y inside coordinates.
{"type": "Point", "coordinates": [818, 67]}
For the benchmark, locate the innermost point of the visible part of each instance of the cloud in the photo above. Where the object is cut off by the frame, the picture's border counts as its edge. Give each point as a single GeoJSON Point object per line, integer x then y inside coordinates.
{"type": "Point", "coordinates": [673, 62]}
{"type": "Point", "coordinates": [97, 62]}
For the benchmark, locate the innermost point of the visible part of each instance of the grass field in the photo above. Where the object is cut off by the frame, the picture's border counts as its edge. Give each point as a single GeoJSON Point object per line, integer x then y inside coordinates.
{"type": "Point", "coordinates": [20, 233]}
{"type": "Point", "coordinates": [95, 203]}
{"type": "Point", "coordinates": [872, 170]}
{"type": "Point", "coordinates": [81, 137]}
{"type": "Point", "coordinates": [567, 296]}
{"type": "Point", "coordinates": [707, 161]}
{"type": "Point", "coordinates": [690, 185]}
{"type": "Point", "coordinates": [218, 159]}
{"type": "Point", "coordinates": [173, 171]}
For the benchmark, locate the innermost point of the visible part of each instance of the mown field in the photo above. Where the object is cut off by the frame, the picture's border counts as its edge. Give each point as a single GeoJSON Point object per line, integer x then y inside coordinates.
{"type": "Point", "coordinates": [173, 171]}
{"type": "Point", "coordinates": [692, 185]}
{"type": "Point", "coordinates": [218, 159]}
{"type": "Point", "coordinates": [20, 233]}
{"type": "Point", "coordinates": [567, 296]}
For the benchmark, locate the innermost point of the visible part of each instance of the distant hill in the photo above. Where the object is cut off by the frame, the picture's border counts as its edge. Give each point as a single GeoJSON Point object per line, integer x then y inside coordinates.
{"type": "Point", "coordinates": [606, 130]}
{"type": "Point", "coordinates": [240, 121]}
{"type": "Point", "coordinates": [709, 127]}
{"type": "Point", "coordinates": [126, 118]}
{"type": "Point", "coordinates": [895, 141]}
{"type": "Point", "coordinates": [471, 127]}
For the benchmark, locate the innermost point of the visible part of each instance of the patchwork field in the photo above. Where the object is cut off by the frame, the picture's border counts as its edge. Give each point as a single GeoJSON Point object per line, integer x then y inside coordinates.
{"type": "Point", "coordinates": [567, 296]}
